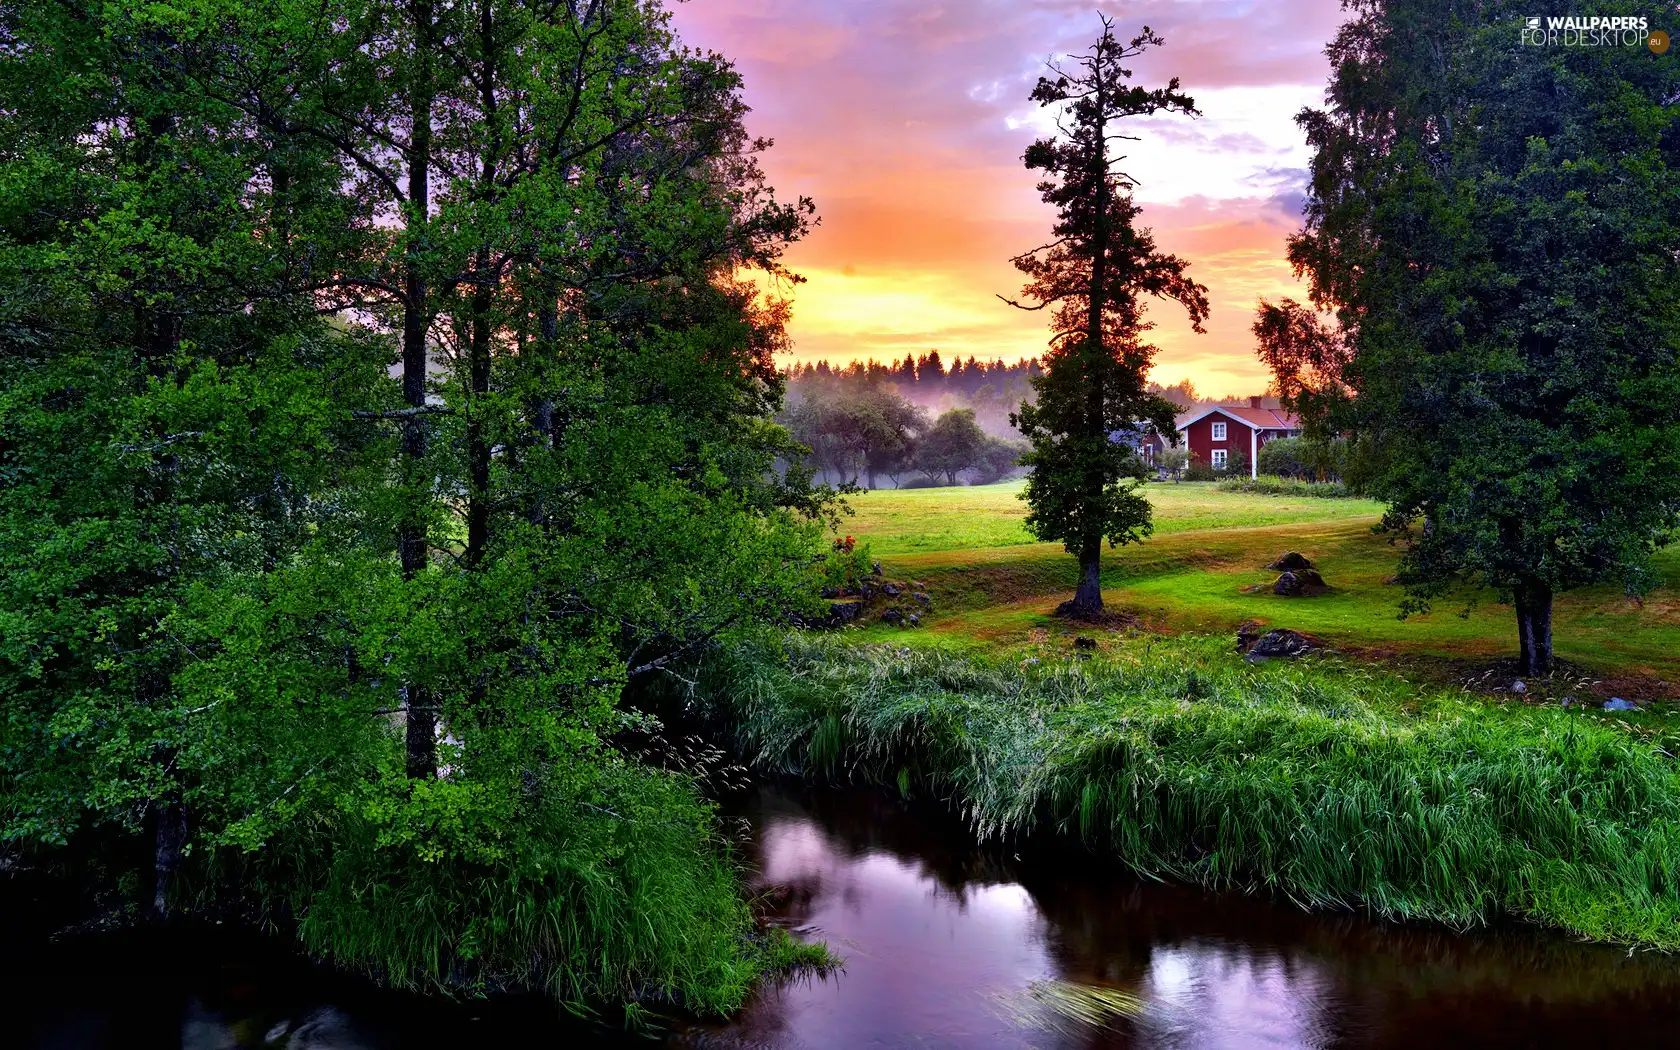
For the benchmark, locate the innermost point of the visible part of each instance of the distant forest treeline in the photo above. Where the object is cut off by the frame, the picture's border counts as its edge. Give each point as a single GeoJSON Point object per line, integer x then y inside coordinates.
{"type": "Point", "coordinates": [992, 389]}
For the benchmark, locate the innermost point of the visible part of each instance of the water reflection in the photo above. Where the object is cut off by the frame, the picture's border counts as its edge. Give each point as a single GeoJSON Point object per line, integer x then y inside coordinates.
{"type": "Point", "coordinates": [952, 946]}
{"type": "Point", "coordinates": [947, 946]}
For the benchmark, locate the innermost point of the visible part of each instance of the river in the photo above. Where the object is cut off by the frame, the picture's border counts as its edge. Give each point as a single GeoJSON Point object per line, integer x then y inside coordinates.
{"type": "Point", "coordinates": [946, 945]}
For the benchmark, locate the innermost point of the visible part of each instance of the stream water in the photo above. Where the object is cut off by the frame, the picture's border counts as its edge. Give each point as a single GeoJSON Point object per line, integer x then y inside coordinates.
{"type": "Point", "coordinates": [945, 945]}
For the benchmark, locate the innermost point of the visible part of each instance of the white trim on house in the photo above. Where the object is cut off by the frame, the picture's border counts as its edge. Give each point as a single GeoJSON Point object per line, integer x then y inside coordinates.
{"type": "Point", "coordinates": [1253, 454]}
{"type": "Point", "coordinates": [1204, 413]}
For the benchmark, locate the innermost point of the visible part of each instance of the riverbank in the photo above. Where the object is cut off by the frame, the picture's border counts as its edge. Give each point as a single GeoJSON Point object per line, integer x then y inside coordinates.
{"type": "Point", "coordinates": [1330, 783]}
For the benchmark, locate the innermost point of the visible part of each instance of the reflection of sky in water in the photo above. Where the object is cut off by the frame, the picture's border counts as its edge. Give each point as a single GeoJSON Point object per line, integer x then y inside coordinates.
{"type": "Point", "coordinates": [1213, 996]}
{"type": "Point", "coordinates": [947, 946]}
{"type": "Point", "coordinates": [924, 965]}
{"type": "Point", "coordinates": [927, 966]}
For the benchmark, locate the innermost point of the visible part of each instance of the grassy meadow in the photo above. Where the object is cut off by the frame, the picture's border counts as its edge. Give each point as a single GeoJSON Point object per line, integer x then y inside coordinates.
{"type": "Point", "coordinates": [1365, 778]}
{"type": "Point", "coordinates": [992, 583]}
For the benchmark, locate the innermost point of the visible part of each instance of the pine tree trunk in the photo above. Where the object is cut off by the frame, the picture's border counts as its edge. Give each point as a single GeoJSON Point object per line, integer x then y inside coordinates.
{"type": "Point", "coordinates": [1087, 601]}
{"type": "Point", "coordinates": [478, 446]}
{"type": "Point", "coordinates": [420, 717]}
{"type": "Point", "coordinates": [1534, 629]}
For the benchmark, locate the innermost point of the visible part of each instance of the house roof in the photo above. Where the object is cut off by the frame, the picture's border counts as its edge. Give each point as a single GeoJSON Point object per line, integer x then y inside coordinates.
{"type": "Point", "coordinates": [1258, 418]}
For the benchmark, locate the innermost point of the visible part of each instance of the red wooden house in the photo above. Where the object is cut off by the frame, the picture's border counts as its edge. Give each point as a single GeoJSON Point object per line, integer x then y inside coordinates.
{"type": "Point", "coordinates": [1216, 436]}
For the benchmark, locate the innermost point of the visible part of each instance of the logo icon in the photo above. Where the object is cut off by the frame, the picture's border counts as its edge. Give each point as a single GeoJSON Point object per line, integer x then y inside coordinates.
{"type": "Point", "coordinates": [1657, 41]}
{"type": "Point", "coordinates": [1533, 23]}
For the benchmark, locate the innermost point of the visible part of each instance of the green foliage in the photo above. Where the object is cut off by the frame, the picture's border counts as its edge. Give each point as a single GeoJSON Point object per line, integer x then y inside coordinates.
{"type": "Point", "coordinates": [1496, 228]}
{"type": "Point", "coordinates": [276, 625]}
{"type": "Point", "coordinates": [953, 444]}
{"type": "Point", "coordinates": [1097, 275]}
{"type": "Point", "coordinates": [617, 890]}
{"type": "Point", "coordinates": [1339, 787]}
{"type": "Point", "coordinates": [847, 564]}
{"type": "Point", "coordinates": [1270, 485]}
{"type": "Point", "coordinates": [1174, 460]}
{"type": "Point", "coordinates": [997, 460]}
{"type": "Point", "coordinates": [871, 429]}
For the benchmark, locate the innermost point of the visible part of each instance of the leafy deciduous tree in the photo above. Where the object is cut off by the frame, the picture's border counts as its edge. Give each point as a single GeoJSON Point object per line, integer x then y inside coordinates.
{"type": "Point", "coordinates": [1497, 228]}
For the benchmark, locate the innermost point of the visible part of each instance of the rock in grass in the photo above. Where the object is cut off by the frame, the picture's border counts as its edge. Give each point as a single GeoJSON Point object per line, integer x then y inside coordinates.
{"type": "Point", "coordinates": [1290, 561]}
{"type": "Point", "coordinates": [1275, 645]}
{"type": "Point", "coordinates": [1616, 703]}
{"type": "Point", "coordinates": [890, 589]}
{"type": "Point", "coordinates": [1519, 686]}
{"type": "Point", "coordinates": [1087, 644]}
{"type": "Point", "coordinates": [914, 618]}
{"type": "Point", "coordinates": [893, 616]}
{"type": "Point", "coordinates": [922, 599]}
{"type": "Point", "coordinates": [1248, 632]}
{"type": "Point", "coordinates": [1301, 583]}
{"type": "Point", "coordinates": [842, 613]}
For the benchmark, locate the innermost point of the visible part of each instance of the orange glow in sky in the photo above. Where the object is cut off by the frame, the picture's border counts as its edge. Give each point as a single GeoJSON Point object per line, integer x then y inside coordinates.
{"type": "Point", "coordinates": [906, 119]}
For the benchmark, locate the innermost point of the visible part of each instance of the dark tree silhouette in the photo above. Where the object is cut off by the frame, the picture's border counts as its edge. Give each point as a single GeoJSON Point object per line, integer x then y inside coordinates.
{"type": "Point", "coordinates": [1095, 274]}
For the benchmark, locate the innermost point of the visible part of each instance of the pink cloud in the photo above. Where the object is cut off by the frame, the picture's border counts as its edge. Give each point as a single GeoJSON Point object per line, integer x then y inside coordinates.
{"type": "Point", "coordinates": [906, 119]}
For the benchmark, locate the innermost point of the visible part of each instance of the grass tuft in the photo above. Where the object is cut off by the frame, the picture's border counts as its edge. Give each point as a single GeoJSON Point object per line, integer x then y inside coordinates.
{"type": "Point", "coordinates": [1334, 784]}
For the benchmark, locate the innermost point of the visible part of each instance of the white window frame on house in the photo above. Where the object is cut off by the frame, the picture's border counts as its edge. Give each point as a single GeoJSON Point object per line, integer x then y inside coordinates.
{"type": "Point", "coordinates": [1218, 458]}
{"type": "Point", "coordinates": [1219, 432]}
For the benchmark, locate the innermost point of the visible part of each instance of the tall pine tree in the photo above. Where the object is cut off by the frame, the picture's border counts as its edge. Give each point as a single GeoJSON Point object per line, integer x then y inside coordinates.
{"type": "Point", "coordinates": [1095, 275]}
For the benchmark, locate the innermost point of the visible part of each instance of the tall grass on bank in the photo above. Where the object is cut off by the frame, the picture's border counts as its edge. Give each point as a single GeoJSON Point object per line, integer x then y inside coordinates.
{"type": "Point", "coordinates": [1272, 485]}
{"type": "Point", "coordinates": [1337, 786]}
{"type": "Point", "coordinates": [620, 894]}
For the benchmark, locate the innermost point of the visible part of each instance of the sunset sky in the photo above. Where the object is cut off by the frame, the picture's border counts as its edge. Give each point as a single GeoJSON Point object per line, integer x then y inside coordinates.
{"type": "Point", "coordinates": [906, 119]}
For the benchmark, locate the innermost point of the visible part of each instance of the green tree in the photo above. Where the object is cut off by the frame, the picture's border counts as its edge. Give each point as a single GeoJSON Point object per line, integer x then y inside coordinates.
{"type": "Point", "coordinates": [1097, 275]}
{"type": "Point", "coordinates": [1174, 459]}
{"type": "Point", "coordinates": [172, 422]}
{"type": "Point", "coordinates": [953, 444]}
{"type": "Point", "coordinates": [891, 427]}
{"type": "Point", "coordinates": [1496, 228]}
{"type": "Point", "coordinates": [233, 548]}
{"type": "Point", "coordinates": [997, 459]}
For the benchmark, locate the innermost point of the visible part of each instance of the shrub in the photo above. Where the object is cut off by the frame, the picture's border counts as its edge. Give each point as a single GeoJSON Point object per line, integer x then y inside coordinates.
{"type": "Point", "coordinates": [1283, 458]}
{"type": "Point", "coordinates": [617, 890]}
{"type": "Point", "coordinates": [1266, 485]}
{"type": "Point", "coordinates": [847, 564]}
{"type": "Point", "coordinates": [1306, 459]}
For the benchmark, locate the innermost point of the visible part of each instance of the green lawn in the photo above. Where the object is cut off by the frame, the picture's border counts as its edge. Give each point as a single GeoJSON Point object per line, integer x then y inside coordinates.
{"type": "Point", "coordinates": [992, 583]}
{"type": "Point", "coordinates": [965, 517]}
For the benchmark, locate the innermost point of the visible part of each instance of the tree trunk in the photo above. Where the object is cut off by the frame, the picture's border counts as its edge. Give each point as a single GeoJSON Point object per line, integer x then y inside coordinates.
{"type": "Point", "coordinates": [478, 447]}
{"type": "Point", "coordinates": [419, 715]}
{"type": "Point", "coordinates": [542, 409]}
{"type": "Point", "coordinates": [1087, 601]}
{"type": "Point", "coordinates": [169, 839]}
{"type": "Point", "coordinates": [1534, 629]}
